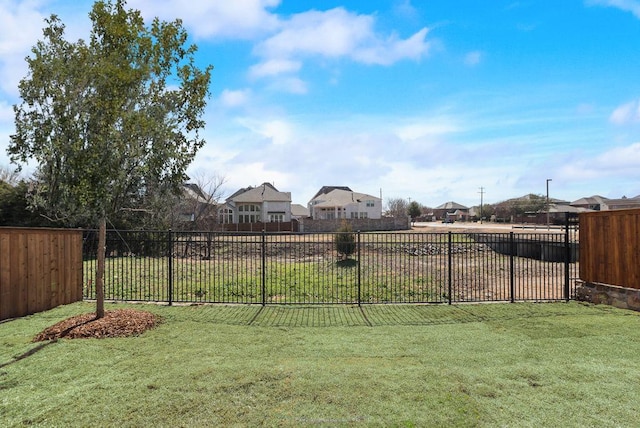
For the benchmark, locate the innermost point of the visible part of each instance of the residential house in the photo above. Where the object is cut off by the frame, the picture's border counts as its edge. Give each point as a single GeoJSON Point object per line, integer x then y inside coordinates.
{"type": "Point", "coordinates": [451, 211]}
{"type": "Point", "coordinates": [261, 204]}
{"type": "Point", "coordinates": [336, 202]}
{"type": "Point", "coordinates": [595, 203]}
{"type": "Point", "coordinates": [299, 211]}
{"type": "Point", "coordinates": [195, 205]}
{"type": "Point", "coordinates": [599, 203]}
{"type": "Point", "coordinates": [623, 203]}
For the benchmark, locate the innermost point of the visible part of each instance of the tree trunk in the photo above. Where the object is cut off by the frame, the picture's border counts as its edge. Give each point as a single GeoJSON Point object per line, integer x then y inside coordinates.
{"type": "Point", "coordinates": [102, 239]}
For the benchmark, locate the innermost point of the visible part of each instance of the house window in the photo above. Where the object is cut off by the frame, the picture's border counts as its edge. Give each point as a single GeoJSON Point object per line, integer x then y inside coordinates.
{"type": "Point", "coordinates": [327, 214]}
{"type": "Point", "coordinates": [249, 213]}
{"type": "Point", "coordinates": [370, 203]}
{"type": "Point", "coordinates": [276, 217]}
{"type": "Point", "coordinates": [225, 215]}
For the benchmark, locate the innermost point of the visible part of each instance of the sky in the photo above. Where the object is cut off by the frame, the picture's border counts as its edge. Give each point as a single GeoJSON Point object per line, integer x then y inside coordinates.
{"type": "Point", "coordinates": [425, 100]}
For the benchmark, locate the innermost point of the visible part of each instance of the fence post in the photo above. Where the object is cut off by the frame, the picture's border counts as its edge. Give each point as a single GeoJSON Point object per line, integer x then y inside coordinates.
{"type": "Point", "coordinates": [170, 273]}
{"type": "Point", "coordinates": [567, 257]}
{"type": "Point", "coordinates": [449, 265]}
{"type": "Point", "coordinates": [512, 273]}
{"type": "Point", "coordinates": [359, 272]}
{"type": "Point", "coordinates": [264, 268]}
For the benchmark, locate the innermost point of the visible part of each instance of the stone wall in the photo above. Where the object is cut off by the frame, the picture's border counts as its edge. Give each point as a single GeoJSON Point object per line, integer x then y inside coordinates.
{"type": "Point", "coordinates": [308, 225]}
{"type": "Point", "coordinates": [605, 294]}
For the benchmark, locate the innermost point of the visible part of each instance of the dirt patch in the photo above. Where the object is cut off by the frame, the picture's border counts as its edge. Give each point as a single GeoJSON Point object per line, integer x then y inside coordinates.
{"type": "Point", "coordinates": [116, 323]}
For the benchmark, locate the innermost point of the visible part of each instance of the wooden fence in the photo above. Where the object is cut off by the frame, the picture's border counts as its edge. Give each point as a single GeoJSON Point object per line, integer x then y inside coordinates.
{"type": "Point", "coordinates": [610, 248]}
{"type": "Point", "coordinates": [39, 270]}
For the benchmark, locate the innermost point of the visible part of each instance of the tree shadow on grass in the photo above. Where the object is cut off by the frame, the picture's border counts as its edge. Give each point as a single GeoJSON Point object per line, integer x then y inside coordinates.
{"type": "Point", "coordinates": [347, 263]}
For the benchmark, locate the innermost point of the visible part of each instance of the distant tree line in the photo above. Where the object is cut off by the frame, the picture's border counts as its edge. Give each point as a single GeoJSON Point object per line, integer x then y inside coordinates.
{"type": "Point", "coordinates": [510, 209]}
{"type": "Point", "coordinates": [147, 208]}
{"type": "Point", "coordinates": [504, 211]}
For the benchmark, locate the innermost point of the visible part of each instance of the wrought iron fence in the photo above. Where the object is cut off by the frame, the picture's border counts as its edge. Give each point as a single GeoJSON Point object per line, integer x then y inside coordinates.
{"type": "Point", "coordinates": [274, 268]}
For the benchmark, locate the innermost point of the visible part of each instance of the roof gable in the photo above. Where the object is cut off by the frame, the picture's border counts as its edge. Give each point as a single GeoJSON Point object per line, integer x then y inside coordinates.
{"type": "Point", "coordinates": [327, 189]}
{"type": "Point", "coordinates": [340, 197]}
{"type": "Point", "coordinates": [264, 192]}
{"type": "Point", "coordinates": [451, 206]}
{"type": "Point", "coordinates": [591, 200]}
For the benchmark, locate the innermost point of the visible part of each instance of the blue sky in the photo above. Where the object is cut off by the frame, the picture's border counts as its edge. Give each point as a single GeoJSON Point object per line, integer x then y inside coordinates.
{"type": "Point", "coordinates": [428, 100]}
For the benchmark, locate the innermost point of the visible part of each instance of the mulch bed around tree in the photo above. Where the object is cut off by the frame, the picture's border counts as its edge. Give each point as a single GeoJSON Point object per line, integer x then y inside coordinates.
{"type": "Point", "coordinates": [116, 323]}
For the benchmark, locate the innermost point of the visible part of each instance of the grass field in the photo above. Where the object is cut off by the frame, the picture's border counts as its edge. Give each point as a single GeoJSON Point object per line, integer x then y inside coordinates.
{"type": "Point", "coordinates": [396, 276]}
{"type": "Point", "coordinates": [523, 364]}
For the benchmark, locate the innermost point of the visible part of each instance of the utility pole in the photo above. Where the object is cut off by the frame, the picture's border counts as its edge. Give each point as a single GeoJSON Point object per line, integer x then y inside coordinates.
{"type": "Point", "coordinates": [548, 180]}
{"type": "Point", "coordinates": [481, 195]}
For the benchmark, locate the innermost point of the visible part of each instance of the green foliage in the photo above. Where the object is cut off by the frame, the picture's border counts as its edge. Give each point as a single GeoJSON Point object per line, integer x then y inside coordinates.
{"type": "Point", "coordinates": [345, 240]}
{"type": "Point", "coordinates": [16, 209]}
{"type": "Point", "coordinates": [107, 119]}
{"type": "Point", "coordinates": [414, 210]}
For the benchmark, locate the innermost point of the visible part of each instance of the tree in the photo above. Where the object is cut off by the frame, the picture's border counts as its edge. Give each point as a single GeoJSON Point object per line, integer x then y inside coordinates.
{"type": "Point", "coordinates": [106, 118]}
{"type": "Point", "coordinates": [9, 176]}
{"type": "Point", "coordinates": [200, 199]}
{"type": "Point", "coordinates": [397, 207]}
{"type": "Point", "coordinates": [414, 210]}
{"type": "Point", "coordinates": [16, 209]}
{"type": "Point", "coordinates": [194, 207]}
{"type": "Point", "coordinates": [488, 210]}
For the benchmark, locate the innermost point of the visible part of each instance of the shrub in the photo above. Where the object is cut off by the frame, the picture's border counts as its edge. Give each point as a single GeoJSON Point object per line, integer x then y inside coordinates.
{"type": "Point", "coordinates": [345, 240]}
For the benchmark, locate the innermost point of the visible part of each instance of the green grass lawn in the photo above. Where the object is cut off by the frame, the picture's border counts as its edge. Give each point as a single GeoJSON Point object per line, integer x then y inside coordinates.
{"type": "Point", "coordinates": [530, 365]}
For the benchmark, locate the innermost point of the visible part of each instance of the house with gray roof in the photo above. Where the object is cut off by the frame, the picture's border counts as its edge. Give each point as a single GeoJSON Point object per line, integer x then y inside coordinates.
{"type": "Point", "coordinates": [195, 205]}
{"type": "Point", "coordinates": [337, 202]}
{"type": "Point", "coordinates": [595, 203]}
{"type": "Point", "coordinates": [262, 203]}
{"type": "Point", "coordinates": [299, 211]}
{"type": "Point", "coordinates": [451, 211]}
{"type": "Point", "coordinates": [623, 203]}
{"type": "Point", "coordinates": [600, 203]}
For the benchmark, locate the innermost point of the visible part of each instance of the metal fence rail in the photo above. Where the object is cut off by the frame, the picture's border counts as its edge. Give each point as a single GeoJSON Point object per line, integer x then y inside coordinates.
{"type": "Point", "coordinates": [272, 268]}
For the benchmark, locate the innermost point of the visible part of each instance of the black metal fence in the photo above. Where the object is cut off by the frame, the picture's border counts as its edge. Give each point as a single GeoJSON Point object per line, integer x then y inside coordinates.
{"type": "Point", "coordinates": [274, 268]}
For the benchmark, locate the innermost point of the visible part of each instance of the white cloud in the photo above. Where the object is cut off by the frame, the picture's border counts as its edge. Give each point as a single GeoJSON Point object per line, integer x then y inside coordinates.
{"type": "Point", "coordinates": [626, 157]}
{"type": "Point", "coordinates": [242, 19]}
{"type": "Point", "coordinates": [20, 27]}
{"type": "Point", "coordinates": [393, 49]}
{"type": "Point", "coordinates": [421, 130]}
{"type": "Point", "coordinates": [274, 67]}
{"type": "Point", "coordinates": [473, 58]}
{"type": "Point", "coordinates": [292, 85]}
{"type": "Point", "coordinates": [254, 174]}
{"type": "Point", "coordinates": [632, 6]}
{"type": "Point", "coordinates": [336, 33]}
{"type": "Point", "coordinates": [20, 24]}
{"type": "Point", "coordinates": [626, 113]}
{"type": "Point", "coordinates": [622, 163]}
{"type": "Point", "coordinates": [6, 113]}
{"type": "Point", "coordinates": [277, 130]}
{"type": "Point", "coordinates": [405, 9]}
{"type": "Point", "coordinates": [231, 98]}
{"type": "Point", "coordinates": [331, 33]}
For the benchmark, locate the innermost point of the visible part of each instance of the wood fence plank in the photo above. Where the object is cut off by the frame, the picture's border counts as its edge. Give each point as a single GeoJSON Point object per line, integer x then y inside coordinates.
{"type": "Point", "coordinates": [19, 278]}
{"type": "Point", "coordinates": [5, 277]}
{"type": "Point", "coordinates": [78, 267]}
{"type": "Point", "coordinates": [48, 299]}
{"type": "Point", "coordinates": [610, 247]}
{"type": "Point", "coordinates": [39, 269]}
